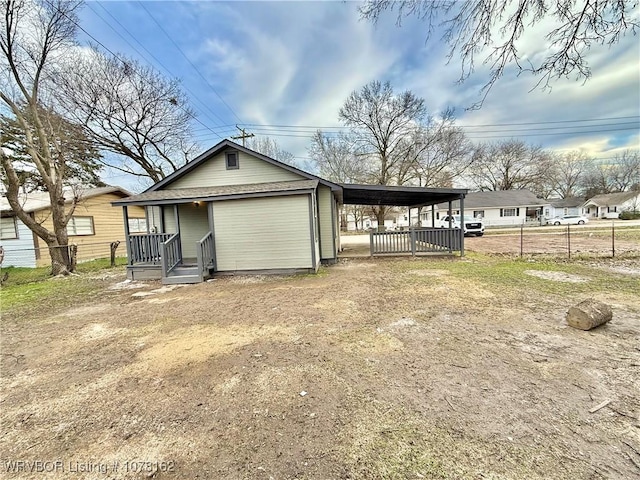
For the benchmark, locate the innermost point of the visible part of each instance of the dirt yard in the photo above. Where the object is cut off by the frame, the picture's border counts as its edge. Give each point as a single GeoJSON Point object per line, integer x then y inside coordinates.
{"type": "Point", "coordinates": [389, 368]}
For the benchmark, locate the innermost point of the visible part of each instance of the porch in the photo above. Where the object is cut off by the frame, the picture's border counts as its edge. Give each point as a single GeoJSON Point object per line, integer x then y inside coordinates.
{"type": "Point", "coordinates": [172, 256]}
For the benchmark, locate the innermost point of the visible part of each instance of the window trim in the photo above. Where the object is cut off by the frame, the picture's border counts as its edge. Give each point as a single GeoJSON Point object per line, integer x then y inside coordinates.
{"type": "Point", "coordinates": [15, 229]}
{"type": "Point", "coordinates": [226, 160]}
{"type": "Point", "coordinates": [93, 228]}
{"type": "Point", "coordinates": [480, 212]}
{"type": "Point", "coordinates": [503, 212]}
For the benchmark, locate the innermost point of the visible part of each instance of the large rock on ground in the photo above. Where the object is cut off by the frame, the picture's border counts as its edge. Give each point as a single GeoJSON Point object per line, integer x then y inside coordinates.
{"type": "Point", "coordinates": [589, 314]}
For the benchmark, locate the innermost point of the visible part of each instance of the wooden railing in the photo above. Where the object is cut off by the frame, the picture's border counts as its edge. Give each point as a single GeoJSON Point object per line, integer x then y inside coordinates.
{"type": "Point", "coordinates": [206, 253]}
{"type": "Point", "coordinates": [416, 240]}
{"type": "Point", "coordinates": [145, 248]}
{"type": "Point", "coordinates": [170, 253]}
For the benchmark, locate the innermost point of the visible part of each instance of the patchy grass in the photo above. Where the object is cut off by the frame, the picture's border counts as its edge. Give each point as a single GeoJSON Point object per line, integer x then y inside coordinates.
{"type": "Point", "coordinates": [25, 287]}
{"type": "Point", "coordinates": [508, 273]}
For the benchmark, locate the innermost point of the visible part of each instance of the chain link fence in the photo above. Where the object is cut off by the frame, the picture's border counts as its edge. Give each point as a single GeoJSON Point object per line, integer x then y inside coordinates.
{"type": "Point", "coordinates": [78, 253]}
{"type": "Point", "coordinates": [568, 241]}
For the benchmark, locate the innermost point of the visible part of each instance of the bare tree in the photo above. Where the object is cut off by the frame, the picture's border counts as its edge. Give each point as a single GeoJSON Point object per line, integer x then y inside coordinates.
{"type": "Point", "coordinates": [381, 125]}
{"type": "Point", "coordinates": [270, 147]}
{"type": "Point", "coordinates": [566, 174]}
{"type": "Point", "coordinates": [494, 30]}
{"type": "Point", "coordinates": [130, 110]}
{"type": "Point", "coordinates": [624, 173]}
{"type": "Point", "coordinates": [509, 165]}
{"type": "Point", "coordinates": [32, 36]}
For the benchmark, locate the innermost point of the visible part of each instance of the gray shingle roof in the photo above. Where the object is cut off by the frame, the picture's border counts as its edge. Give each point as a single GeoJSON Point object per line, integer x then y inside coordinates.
{"type": "Point", "coordinates": [609, 199]}
{"type": "Point", "coordinates": [566, 202]}
{"type": "Point", "coordinates": [34, 201]}
{"type": "Point", "coordinates": [499, 199]}
{"type": "Point", "coordinates": [203, 193]}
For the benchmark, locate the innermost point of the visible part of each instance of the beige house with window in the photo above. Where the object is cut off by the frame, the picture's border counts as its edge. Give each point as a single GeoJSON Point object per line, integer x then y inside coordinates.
{"type": "Point", "coordinates": [93, 226]}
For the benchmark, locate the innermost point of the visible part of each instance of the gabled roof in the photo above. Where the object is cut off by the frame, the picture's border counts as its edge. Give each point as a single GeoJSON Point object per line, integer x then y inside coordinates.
{"type": "Point", "coordinates": [608, 199]}
{"type": "Point", "coordinates": [221, 146]}
{"type": "Point", "coordinates": [185, 195]}
{"type": "Point", "coordinates": [499, 199]}
{"type": "Point", "coordinates": [35, 201]}
{"type": "Point", "coordinates": [566, 202]}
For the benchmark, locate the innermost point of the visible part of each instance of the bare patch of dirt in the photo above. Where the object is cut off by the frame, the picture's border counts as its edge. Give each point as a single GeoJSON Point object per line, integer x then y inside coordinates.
{"type": "Point", "coordinates": [409, 370]}
{"type": "Point", "coordinates": [556, 276]}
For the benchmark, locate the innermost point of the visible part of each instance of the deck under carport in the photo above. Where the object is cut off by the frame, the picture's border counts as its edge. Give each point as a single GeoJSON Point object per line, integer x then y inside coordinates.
{"type": "Point", "coordinates": [415, 240]}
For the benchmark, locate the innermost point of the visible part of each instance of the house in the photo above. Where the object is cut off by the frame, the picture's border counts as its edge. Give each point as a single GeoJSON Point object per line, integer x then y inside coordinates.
{"type": "Point", "coordinates": [235, 210]}
{"type": "Point", "coordinates": [93, 226]}
{"type": "Point", "coordinates": [563, 206]}
{"type": "Point", "coordinates": [610, 205]}
{"type": "Point", "coordinates": [496, 208]}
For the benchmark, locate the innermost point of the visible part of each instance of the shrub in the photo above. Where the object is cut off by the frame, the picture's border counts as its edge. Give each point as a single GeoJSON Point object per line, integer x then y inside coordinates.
{"type": "Point", "coordinates": [629, 215]}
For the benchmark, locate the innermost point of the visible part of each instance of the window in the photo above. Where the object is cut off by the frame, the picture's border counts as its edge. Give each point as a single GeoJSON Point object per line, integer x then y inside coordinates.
{"type": "Point", "coordinates": [508, 212]}
{"type": "Point", "coordinates": [612, 209]}
{"type": "Point", "coordinates": [478, 214]}
{"type": "Point", "coordinates": [80, 226]}
{"type": "Point", "coordinates": [8, 228]}
{"type": "Point", "coordinates": [232, 161]}
{"type": "Point", "coordinates": [137, 225]}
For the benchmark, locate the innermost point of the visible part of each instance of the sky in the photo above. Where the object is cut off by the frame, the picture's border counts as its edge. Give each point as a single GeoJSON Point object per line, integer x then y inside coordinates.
{"type": "Point", "coordinates": [284, 69]}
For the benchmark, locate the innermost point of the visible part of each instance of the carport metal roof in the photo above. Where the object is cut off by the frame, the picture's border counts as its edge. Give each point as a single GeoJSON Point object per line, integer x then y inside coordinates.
{"type": "Point", "coordinates": [399, 196]}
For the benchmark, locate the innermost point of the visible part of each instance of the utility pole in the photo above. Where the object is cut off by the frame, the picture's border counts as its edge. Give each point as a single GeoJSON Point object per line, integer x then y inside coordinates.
{"type": "Point", "coordinates": [244, 135]}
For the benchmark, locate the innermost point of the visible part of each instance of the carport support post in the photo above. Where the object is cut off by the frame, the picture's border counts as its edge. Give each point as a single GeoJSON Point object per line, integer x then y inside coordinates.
{"type": "Point", "coordinates": [433, 216]}
{"type": "Point", "coordinates": [462, 225]}
{"type": "Point", "coordinates": [371, 242]}
{"type": "Point", "coordinates": [412, 233]}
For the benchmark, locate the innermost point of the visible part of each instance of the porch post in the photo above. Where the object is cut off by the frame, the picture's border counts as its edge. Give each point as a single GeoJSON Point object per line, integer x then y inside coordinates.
{"type": "Point", "coordinates": [213, 233]}
{"type": "Point", "coordinates": [125, 214]}
{"type": "Point", "coordinates": [462, 225]}
{"type": "Point", "coordinates": [175, 213]}
{"type": "Point", "coordinates": [433, 216]}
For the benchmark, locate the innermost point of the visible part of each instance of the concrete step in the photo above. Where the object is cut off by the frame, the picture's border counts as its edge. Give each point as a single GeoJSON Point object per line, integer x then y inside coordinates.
{"type": "Point", "coordinates": [175, 279]}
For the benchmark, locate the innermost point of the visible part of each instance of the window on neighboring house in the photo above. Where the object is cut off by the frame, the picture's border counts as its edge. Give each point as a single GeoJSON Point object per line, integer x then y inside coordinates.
{"type": "Point", "coordinates": [546, 212]}
{"type": "Point", "coordinates": [8, 228]}
{"type": "Point", "coordinates": [478, 214]}
{"type": "Point", "coordinates": [137, 225]}
{"type": "Point", "coordinates": [566, 211]}
{"type": "Point", "coordinates": [80, 226]}
{"type": "Point", "coordinates": [611, 209]}
{"type": "Point", "coordinates": [509, 212]}
{"type": "Point", "coordinates": [232, 161]}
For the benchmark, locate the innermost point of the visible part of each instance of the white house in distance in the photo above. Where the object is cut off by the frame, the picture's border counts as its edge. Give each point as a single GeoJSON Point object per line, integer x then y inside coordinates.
{"type": "Point", "coordinates": [610, 205]}
{"type": "Point", "coordinates": [563, 206]}
{"type": "Point", "coordinates": [499, 208]}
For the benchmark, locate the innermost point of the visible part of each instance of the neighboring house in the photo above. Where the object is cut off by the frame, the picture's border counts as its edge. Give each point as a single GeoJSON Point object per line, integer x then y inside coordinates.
{"type": "Point", "coordinates": [563, 206]}
{"type": "Point", "coordinates": [610, 205]}
{"type": "Point", "coordinates": [235, 210]}
{"type": "Point", "coordinates": [94, 224]}
{"type": "Point", "coordinates": [496, 208]}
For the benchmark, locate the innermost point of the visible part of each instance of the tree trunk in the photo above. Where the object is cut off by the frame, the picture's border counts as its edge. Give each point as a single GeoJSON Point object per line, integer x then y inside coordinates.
{"type": "Point", "coordinates": [380, 214]}
{"type": "Point", "coordinates": [59, 259]}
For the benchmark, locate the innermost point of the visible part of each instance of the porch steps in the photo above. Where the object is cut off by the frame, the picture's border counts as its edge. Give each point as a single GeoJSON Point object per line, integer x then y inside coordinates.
{"type": "Point", "coordinates": [183, 274]}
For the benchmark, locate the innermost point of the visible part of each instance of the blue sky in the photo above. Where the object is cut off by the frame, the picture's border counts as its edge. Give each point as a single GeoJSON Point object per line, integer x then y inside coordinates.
{"type": "Point", "coordinates": [267, 64]}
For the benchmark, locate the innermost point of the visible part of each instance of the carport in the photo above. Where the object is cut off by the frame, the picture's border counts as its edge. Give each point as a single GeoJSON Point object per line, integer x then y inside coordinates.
{"type": "Point", "coordinates": [416, 239]}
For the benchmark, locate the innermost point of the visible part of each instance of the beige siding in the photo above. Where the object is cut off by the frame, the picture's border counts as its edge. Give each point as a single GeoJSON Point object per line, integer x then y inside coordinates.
{"type": "Point", "coordinates": [108, 226]}
{"type": "Point", "coordinates": [336, 219]}
{"type": "Point", "coordinates": [263, 233]}
{"type": "Point", "coordinates": [194, 224]}
{"type": "Point", "coordinates": [214, 173]}
{"type": "Point", "coordinates": [327, 241]}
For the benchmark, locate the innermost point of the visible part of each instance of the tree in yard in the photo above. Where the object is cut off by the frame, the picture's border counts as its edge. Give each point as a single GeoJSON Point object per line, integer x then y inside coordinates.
{"type": "Point", "coordinates": [381, 124]}
{"type": "Point", "coordinates": [79, 155]}
{"type": "Point", "coordinates": [624, 172]}
{"type": "Point", "coordinates": [509, 165]}
{"type": "Point", "coordinates": [130, 110]}
{"type": "Point", "coordinates": [496, 32]}
{"type": "Point", "coordinates": [32, 37]}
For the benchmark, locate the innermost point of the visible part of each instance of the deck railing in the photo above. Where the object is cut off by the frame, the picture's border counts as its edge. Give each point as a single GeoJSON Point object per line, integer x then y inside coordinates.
{"type": "Point", "coordinates": [416, 240]}
{"type": "Point", "coordinates": [170, 253]}
{"type": "Point", "coordinates": [205, 252]}
{"type": "Point", "coordinates": [145, 248]}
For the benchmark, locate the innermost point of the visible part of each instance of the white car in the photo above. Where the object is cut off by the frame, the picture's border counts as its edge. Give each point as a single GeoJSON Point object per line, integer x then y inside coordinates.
{"type": "Point", "coordinates": [472, 226]}
{"type": "Point", "coordinates": [568, 220]}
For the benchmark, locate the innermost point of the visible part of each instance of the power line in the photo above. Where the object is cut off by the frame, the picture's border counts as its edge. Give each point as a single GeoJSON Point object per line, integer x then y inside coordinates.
{"type": "Point", "coordinates": [166, 69]}
{"type": "Point", "coordinates": [125, 63]}
{"type": "Point", "coordinates": [188, 60]}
